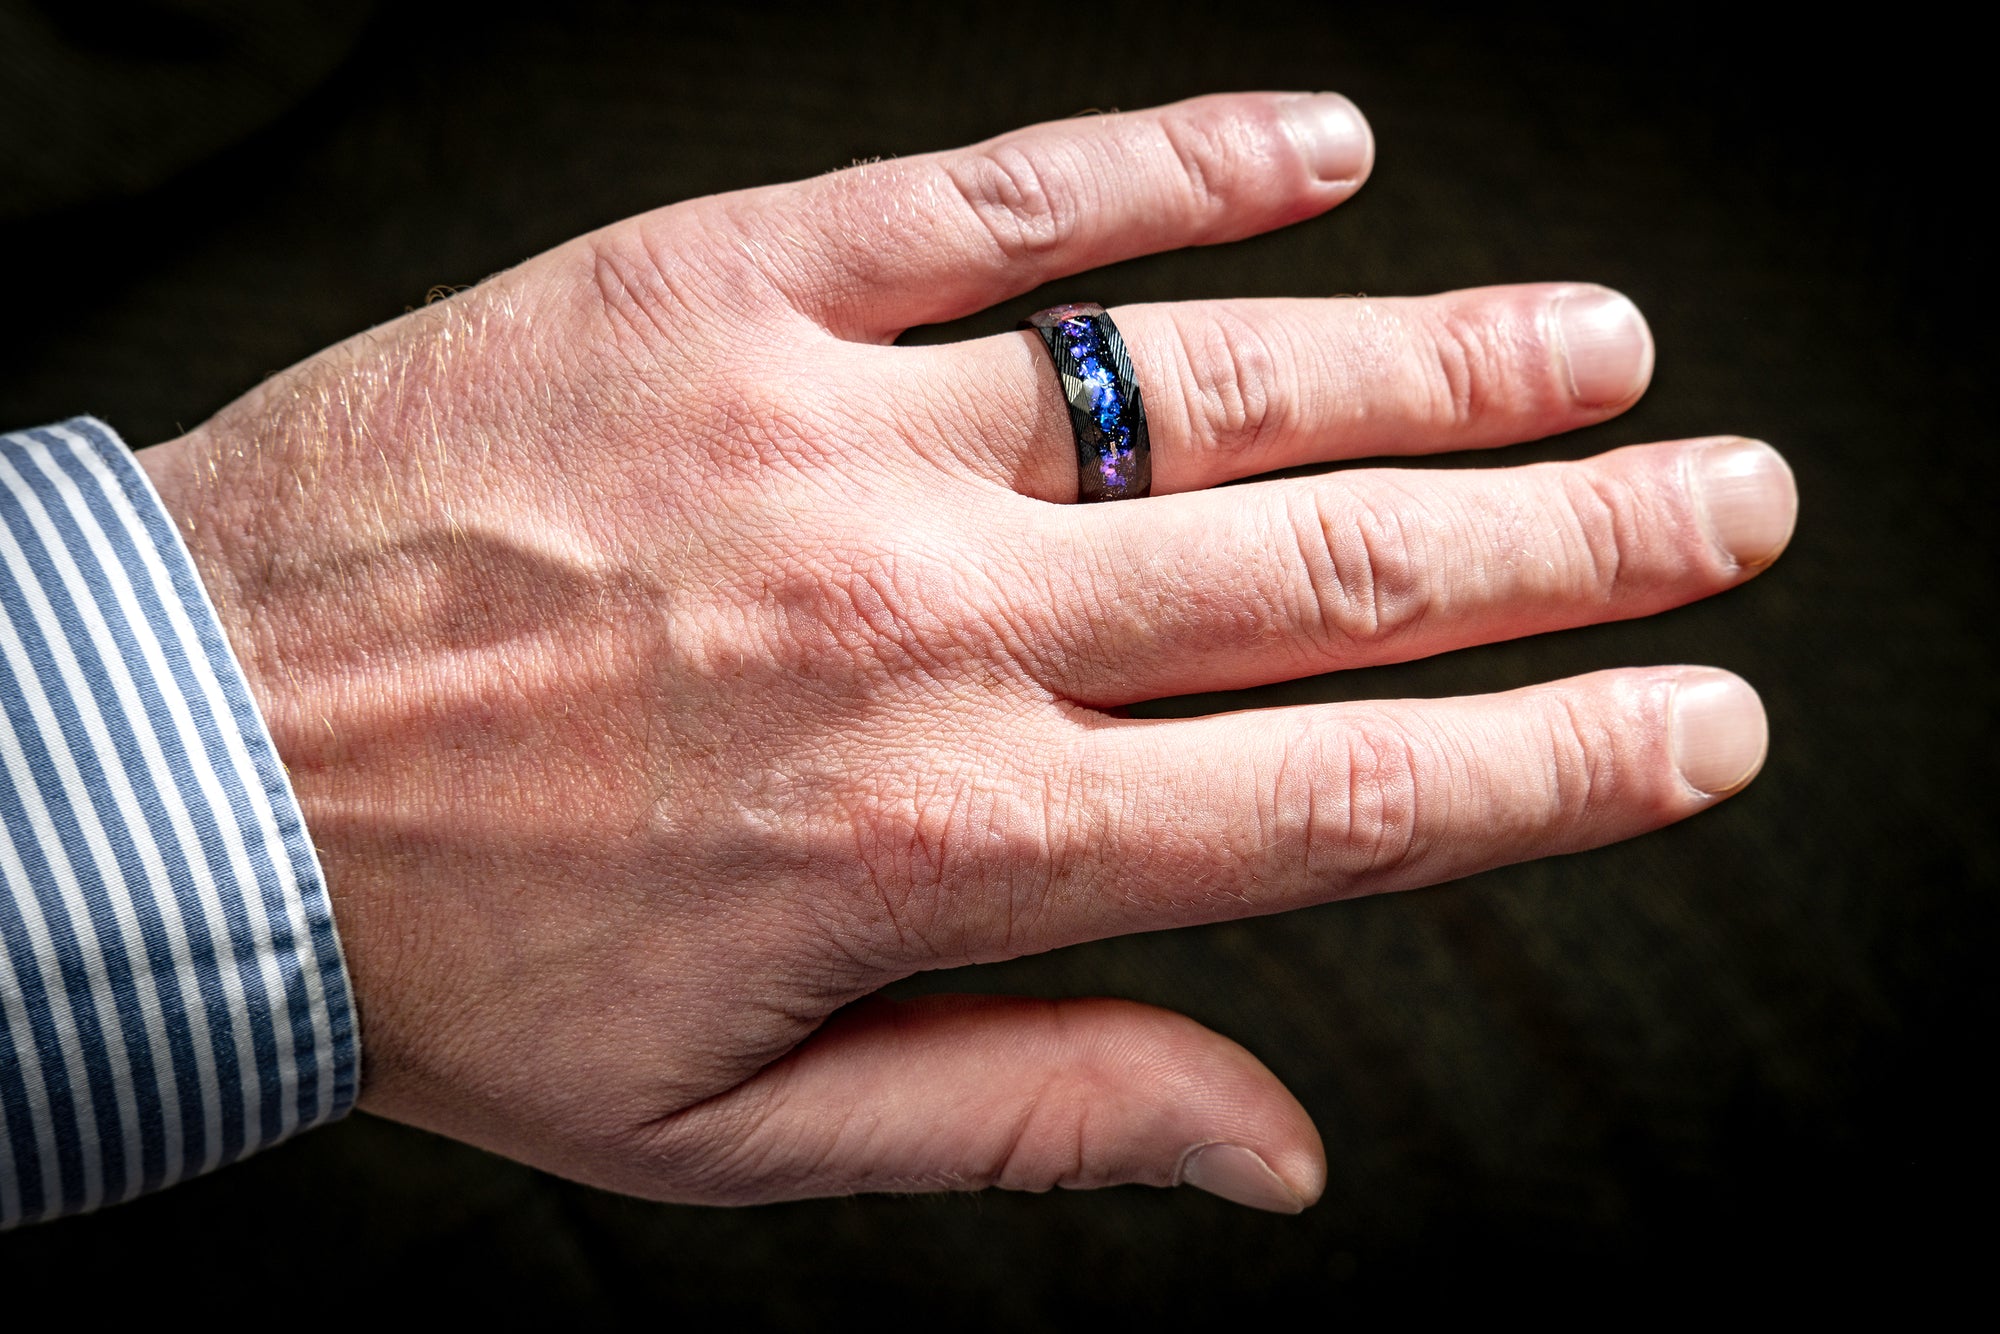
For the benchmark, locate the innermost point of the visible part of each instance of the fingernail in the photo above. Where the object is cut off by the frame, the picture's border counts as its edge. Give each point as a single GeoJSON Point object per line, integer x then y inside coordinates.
{"type": "Point", "coordinates": [1606, 346]}
{"type": "Point", "coordinates": [1717, 731]}
{"type": "Point", "coordinates": [1748, 499]}
{"type": "Point", "coordinates": [1332, 134]}
{"type": "Point", "coordinates": [1240, 1176]}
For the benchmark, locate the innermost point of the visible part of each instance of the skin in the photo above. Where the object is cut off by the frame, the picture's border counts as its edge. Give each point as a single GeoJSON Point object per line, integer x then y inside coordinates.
{"type": "Point", "coordinates": [664, 661]}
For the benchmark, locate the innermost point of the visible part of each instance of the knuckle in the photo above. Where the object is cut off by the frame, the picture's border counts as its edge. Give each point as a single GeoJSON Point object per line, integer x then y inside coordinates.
{"type": "Point", "coordinates": [862, 600]}
{"type": "Point", "coordinates": [1049, 1142]}
{"type": "Point", "coordinates": [868, 597]}
{"type": "Point", "coordinates": [754, 423]}
{"type": "Point", "coordinates": [1055, 1134]}
{"type": "Point", "coordinates": [1202, 143]}
{"type": "Point", "coordinates": [1584, 757]}
{"type": "Point", "coordinates": [718, 1152]}
{"type": "Point", "coordinates": [1603, 516]}
{"type": "Point", "coordinates": [1235, 403]}
{"type": "Point", "coordinates": [905, 846]}
{"type": "Point", "coordinates": [1019, 196]}
{"type": "Point", "coordinates": [630, 287]}
{"type": "Point", "coordinates": [1377, 814]}
{"type": "Point", "coordinates": [1351, 807]}
{"type": "Point", "coordinates": [877, 600]}
{"type": "Point", "coordinates": [1463, 368]}
{"type": "Point", "coordinates": [648, 275]}
{"type": "Point", "coordinates": [954, 862]}
{"type": "Point", "coordinates": [1361, 573]}
{"type": "Point", "coordinates": [654, 291]}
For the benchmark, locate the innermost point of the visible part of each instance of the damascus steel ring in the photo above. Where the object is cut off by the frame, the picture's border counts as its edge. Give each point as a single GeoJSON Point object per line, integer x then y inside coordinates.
{"type": "Point", "coordinates": [1114, 461]}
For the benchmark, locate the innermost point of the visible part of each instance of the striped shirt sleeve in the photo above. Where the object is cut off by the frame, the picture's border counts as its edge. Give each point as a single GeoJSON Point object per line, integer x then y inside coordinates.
{"type": "Point", "coordinates": [172, 993]}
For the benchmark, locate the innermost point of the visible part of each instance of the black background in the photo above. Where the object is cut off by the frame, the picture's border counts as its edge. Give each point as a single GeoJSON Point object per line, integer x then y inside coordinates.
{"type": "Point", "coordinates": [1744, 1051]}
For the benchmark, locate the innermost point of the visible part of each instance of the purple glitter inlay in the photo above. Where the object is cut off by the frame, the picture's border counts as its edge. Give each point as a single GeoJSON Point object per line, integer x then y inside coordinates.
{"type": "Point", "coordinates": [1104, 404]}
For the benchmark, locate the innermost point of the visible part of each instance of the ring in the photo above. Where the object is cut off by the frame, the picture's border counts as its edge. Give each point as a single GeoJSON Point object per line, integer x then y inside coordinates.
{"type": "Point", "coordinates": [1114, 459]}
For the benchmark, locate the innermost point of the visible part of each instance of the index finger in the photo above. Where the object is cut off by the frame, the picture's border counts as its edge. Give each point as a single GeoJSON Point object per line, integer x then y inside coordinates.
{"type": "Point", "coordinates": [876, 249]}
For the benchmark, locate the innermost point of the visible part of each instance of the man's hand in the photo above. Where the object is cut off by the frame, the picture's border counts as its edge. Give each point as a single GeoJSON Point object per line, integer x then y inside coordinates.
{"type": "Point", "coordinates": [665, 661]}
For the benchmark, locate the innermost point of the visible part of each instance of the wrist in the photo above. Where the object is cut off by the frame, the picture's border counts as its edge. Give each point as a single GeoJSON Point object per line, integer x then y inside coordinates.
{"type": "Point", "coordinates": [218, 495]}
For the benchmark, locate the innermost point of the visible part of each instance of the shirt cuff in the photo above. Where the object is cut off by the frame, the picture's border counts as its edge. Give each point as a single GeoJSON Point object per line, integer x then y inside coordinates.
{"type": "Point", "coordinates": [172, 992]}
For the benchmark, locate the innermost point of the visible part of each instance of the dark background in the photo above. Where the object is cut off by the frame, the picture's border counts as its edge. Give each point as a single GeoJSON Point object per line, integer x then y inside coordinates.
{"type": "Point", "coordinates": [1746, 1049]}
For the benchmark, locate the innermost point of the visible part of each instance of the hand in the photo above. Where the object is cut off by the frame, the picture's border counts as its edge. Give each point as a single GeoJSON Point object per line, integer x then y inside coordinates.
{"type": "Point", "coordinates": [665, 661]}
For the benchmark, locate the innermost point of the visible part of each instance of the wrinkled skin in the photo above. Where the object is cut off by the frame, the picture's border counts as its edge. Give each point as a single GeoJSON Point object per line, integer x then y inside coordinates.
{"type": "Point", "coordinates": [665, 661]}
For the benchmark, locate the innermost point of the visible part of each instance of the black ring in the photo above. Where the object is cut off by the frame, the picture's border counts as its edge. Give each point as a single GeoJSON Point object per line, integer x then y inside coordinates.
{"type": "Point", "coordinates": [1114, 458]}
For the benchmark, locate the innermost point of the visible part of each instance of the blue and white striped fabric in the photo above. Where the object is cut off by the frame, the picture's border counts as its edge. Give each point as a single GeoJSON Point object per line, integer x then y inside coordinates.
{"type": "Point", "coordinates": [172, 994]}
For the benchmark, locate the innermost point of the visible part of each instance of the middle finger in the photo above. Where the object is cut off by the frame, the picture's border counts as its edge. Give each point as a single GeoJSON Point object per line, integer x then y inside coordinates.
{"type": "Point", "coordinates": [1245, 585]}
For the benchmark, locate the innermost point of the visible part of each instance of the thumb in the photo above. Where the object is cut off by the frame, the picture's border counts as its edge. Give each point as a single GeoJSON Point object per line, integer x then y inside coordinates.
{"type": "Point", "coordinates": [965, 1092]}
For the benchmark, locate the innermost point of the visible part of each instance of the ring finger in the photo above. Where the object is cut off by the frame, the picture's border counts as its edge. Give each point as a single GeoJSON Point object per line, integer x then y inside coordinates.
{"type": "Point", "coordinates": [1236, 388]}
